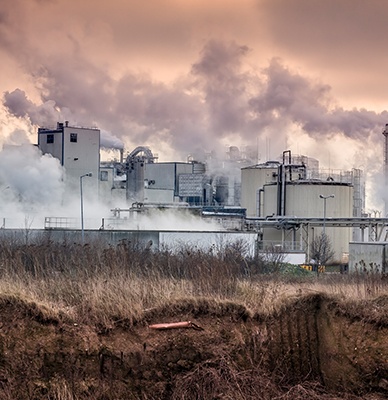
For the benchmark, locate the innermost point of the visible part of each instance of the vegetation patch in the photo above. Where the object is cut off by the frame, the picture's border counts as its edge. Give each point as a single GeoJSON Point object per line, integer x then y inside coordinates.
{"type": "Point", "coordinates": [74, 324]}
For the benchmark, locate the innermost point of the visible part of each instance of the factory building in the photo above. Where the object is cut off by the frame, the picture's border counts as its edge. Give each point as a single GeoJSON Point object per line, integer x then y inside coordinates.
{"type": "Point", "coordinates": [139, 178]}
{"type": "Point", "coordinates": [296, 188]}
{"type": "Point", "coordinates": [76, 148]}
{"type": "Point", "coordinates": [277, 198]}
{"type": "Point", "coordinates": [211, 183]}
{"type": "Point", "coordinates": [142, 180]}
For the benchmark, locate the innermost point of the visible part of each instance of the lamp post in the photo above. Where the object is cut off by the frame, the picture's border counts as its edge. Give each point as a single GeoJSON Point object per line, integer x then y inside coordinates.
{"type": "Point", "coordinates": [82, 204]}
{"type": "Point", "coordinates": [331, 196]}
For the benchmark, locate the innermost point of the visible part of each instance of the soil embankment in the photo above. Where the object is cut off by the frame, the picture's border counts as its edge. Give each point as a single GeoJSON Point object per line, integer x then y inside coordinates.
{"type": "Point", "coordinates": [312, 347]}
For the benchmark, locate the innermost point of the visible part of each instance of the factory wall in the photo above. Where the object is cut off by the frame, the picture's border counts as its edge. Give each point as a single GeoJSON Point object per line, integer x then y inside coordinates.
{"type": "Point", "coordinates": [78, 150]}
{"type": "Point", "coordinates": [81, 151]}
{"type": "Point", "coordinates": [372, 255]}
{"type": "Point", "coordinates": [106, 183]}
{"type": "Point", "coordinates": [164, 176]}
{"type": "Point", "coordinates": [135, 180]}
{"type": "Point", "coordinates": [154, 240]}
{"type": "Point", "coordinates": [51, 142]}
{"type": "Point", "coordinates": [153, 195]}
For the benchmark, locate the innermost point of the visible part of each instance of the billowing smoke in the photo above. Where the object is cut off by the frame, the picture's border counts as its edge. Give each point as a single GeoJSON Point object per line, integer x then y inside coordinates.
{"type": "Point", "coordinates": [290, 97]}
{"type": "Point", "coordinates": [20, 106]}
{"type": "Point", "coordinates": [109, 141]}
{"type": "Point", "coordinates": [218, 99]}
{"type": "Point", "coordinates": [47, 114]}
{"type": "Point", "coordinates": [30, 183]}
{"type": "Point", "coordinates": [221, 100]}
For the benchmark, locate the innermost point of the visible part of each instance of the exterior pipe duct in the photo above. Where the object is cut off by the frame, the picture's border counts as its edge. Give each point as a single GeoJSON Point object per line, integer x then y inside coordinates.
{"type": "Point", "coordinates": [281, 206]}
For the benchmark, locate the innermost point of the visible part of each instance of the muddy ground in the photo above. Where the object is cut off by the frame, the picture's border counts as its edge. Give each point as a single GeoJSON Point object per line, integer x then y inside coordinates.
{"type": "Point", "coordinates": [313, 347]}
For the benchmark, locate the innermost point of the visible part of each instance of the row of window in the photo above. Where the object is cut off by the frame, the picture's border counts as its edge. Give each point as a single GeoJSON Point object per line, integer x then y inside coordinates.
{"type": "Point", "coordinates": [73, 138]}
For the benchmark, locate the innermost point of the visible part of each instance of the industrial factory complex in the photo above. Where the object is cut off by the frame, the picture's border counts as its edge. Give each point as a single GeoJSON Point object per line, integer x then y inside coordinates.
{"type": "Point", "coordinates": [283, 203]}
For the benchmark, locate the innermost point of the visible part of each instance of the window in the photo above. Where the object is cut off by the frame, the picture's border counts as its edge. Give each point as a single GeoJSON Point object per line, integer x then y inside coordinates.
{"type": "Point", "coordinates": [50, 138]}
{"type": "Point", "coordinates": [104, 175]}
{"type": "Point", "coordinates": [73, 138]}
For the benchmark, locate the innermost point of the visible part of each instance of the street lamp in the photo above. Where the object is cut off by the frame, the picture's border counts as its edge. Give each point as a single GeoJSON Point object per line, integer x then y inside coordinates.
{"type": "Point", "coordinates": [82, 204]}
{"type": "Point", "coordinates": [324, 209]}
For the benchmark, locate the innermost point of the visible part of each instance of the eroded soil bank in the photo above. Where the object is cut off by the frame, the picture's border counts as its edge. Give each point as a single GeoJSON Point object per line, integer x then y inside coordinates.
{"type": "Point", "coordinates": [312, 347]}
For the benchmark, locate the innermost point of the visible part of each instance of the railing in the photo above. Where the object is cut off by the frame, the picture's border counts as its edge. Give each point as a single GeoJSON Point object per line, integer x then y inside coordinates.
{"type": "Point", "coordinates": [285, 246]}
{"type": "Point", "coordinates": [61, 223]}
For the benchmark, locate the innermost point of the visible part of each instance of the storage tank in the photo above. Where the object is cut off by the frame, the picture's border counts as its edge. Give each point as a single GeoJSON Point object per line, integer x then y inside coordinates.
{"type": "Point", "coordinates": [253, 180]}
{"type": "Point", "coordinates": [302, 200]}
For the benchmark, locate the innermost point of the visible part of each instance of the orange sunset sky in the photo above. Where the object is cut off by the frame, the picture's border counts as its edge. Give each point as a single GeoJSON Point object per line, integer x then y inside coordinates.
{"type": "Point", "coordinates": [192, 76]}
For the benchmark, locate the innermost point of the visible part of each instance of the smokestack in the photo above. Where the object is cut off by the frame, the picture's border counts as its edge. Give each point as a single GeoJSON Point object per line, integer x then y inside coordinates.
{"type": "Point", "coordinates": [385, 133]}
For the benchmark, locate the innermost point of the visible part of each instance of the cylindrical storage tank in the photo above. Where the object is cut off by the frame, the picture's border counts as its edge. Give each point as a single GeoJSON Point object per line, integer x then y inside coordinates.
{"type": "Point", "coordinates": [303, 201]}
{"type": "Point", "coordinates": [252, 180]}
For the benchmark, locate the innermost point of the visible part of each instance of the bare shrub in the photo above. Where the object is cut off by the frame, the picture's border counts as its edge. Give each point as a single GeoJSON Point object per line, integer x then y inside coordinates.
{"type": "Point", "coordinates": [321, 249]}
{"type": "Point", "coordinates": [369, 279]}
{"type": "Point", "coordinates": [101, 284]}
{"type": "Point", "coordinates": [271, 260]}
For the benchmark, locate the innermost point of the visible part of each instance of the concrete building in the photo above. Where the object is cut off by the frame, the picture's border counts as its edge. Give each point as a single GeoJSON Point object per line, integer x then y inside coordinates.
{"type": "Point", "coordinates": [76, 148]}
{"type": "Point", "coordinates": [170, 182]}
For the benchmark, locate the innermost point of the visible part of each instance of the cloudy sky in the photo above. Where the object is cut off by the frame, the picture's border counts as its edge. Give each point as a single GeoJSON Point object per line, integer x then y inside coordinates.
{"type": "Point", "coordinates": [191, 76]}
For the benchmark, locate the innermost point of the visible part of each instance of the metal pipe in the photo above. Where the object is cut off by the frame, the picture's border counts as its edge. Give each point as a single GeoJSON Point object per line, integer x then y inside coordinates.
{"type": "Point", "coordinates": [331, 196]}
{"type": "Point", "coordinates": [82, 205]}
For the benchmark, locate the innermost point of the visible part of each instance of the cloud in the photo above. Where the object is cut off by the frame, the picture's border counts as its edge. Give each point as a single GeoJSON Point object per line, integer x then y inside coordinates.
{"type": "Point", "coordinates": [290, 97]}
{"type": "Point", "coordinates": [224, 85]}
{"type": "Point", "coordinates": [31, 179]}
{"type": "Point", "coordinates": [19, 106]}
{"type": "Point", "coordinates": [220, 97]}
{"type": "Point", "coordinates": [343, 41]}
{"type": "Point", "coordinates": [197, 75]}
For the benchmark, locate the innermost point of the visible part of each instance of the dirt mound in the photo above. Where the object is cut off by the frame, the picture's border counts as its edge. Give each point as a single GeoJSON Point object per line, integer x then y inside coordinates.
{"type": "Point", "coordinates": [337, 344]}
{"type": "Point", "coordinates": [312, 347]}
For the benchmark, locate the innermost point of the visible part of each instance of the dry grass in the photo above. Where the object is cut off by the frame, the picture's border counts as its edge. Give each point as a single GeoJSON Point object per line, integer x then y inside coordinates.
{"type": "Point", "coordinates": [99, 288]}
{"type": "Point", "coordinates": [101, 285]}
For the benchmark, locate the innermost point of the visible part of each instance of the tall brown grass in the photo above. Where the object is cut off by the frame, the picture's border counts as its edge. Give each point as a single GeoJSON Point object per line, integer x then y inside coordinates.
{"type": "Point", "coordinates": [100, 284]}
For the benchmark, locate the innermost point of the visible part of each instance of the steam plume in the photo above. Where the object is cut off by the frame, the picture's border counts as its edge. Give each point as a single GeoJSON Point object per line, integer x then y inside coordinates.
{"type": "Point", "coordinates": [218, 98]}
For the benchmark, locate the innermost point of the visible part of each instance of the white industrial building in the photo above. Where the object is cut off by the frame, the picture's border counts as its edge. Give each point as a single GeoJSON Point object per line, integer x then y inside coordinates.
{"type": "Point", "coordinates": [286, 202]}
{"type": "Point", "coordinates": [77, 149]}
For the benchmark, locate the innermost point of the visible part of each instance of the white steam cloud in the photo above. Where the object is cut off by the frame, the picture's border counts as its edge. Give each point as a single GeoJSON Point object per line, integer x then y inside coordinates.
{"type": "Point", "coordinates": [220, 100]}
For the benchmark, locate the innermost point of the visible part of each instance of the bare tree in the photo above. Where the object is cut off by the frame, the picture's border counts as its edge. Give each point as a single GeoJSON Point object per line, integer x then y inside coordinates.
{"type": "Point", "coordinates": [321, 250]}
{"type": "Point", "coordinates": [274, 257]}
